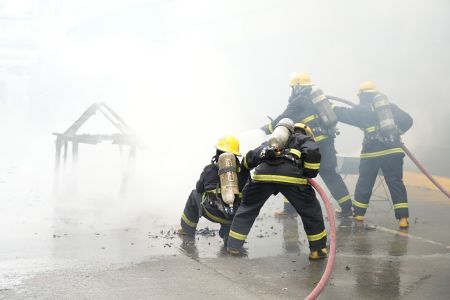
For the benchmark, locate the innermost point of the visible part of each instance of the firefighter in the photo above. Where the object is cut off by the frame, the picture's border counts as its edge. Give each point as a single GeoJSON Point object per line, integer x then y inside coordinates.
{"type": "Point", "coordinates": [282, 165]}
{"type": "Point", "coordinates": [382, 123]}
{"type": "Point", "coordinates": [310, 106]}
{"type": "Point", "coordinates": [206, 200]}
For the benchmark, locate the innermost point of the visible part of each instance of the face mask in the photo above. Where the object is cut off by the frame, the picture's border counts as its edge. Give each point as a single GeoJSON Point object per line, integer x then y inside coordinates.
{"type": "Point", "coordinates": [297, 90]}
{"type": "Point", "coordinates": [365, 97]}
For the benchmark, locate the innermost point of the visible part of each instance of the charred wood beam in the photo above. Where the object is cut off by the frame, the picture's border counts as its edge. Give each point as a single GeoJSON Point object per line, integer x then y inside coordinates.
{"type": "Point", "coordinates": [74, 152]}
{"type": "Point", "coordinates": [83, 118]}
{"type": "Point", "coordinates": [121, 127]}
{"type": "Point", "coordinates": [98, 138]}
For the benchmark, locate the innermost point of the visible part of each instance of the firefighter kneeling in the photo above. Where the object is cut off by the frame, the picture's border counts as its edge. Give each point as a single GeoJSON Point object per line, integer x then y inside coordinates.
{"type": "Point", "coordinates": [216, 196]}
{"type": "Point", "coordinates": [281, 166]}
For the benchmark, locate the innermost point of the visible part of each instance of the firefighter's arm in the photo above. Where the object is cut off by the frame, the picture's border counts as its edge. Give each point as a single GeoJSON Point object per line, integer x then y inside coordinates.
{"type": "Point", "coordinates": [350, 116]}
{"type": "Point", "coordinates": [268, 128]}
{"type": "Point", "coordinates": [403, 120]}
{"type": "Point", "coordinates": [310, 157]}
{"type": "Point", "coordinates": [244, 176]}
{"type": "Point", "coordinates": [200, 186]}
{"type": "Point", "coordinates": [290, 112]}
{"type": "Point", "coordinates": [253, 157]}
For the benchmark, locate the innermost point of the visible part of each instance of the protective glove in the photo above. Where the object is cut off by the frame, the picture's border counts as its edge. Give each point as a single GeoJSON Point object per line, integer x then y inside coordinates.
{"type": "Point", "coordinates": [268, 152]}
{"type": "Point", "coordinates": [265, 129]}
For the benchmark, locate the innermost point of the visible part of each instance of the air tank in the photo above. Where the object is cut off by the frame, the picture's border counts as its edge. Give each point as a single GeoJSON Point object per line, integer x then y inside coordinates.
{"type": "Point", "coordinates": [386, 121]}
{"type": "Point", "coordinates": [324, 109]}
{"type": "Point", "coordinates": [281, 133]}
{"type": "Point", "coordinates": [229, 186]}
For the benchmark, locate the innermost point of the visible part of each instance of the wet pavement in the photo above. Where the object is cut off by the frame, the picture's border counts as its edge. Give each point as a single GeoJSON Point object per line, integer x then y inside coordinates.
{"type": "Point", "coordinates": [49, 253]}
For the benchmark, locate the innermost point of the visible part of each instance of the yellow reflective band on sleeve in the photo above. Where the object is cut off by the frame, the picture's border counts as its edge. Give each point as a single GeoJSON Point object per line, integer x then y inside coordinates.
{"type": "Point", "coordinates": [360, 204]}
{"type": "Point", "coordinates": [309, 119]}
{"type": "Point", "coordinates": [279, 178]}
{"type": "Point", "coordinates": [312, 166]}
{"type": "Point", "coordinates": [295, 152]}
{"type": "Point", "coordinates": [245, 163]}
{"type": "Point", "coordinates": [237, 236]}
{"type": "Point", "coordinates": [344, 199]}
{"type": "Point", "coordinates": [270, 127]}
{"type": "Point", "coordinates": [285, 200]}
{"type": "Point", "coordinates": [381, 153]}
{"type": "Point", "coordinates": [215, 218]}
{"type": "Point", "coordinates": [401, 205]}
{"type": "Point", "coordinates": [370, 129]}
{"type": "Point", "coordinates": [320, 138]}
{"type": "Point", "coordinates": [188, 222]}
{"type": "Point", "coordinates": [316, 237]}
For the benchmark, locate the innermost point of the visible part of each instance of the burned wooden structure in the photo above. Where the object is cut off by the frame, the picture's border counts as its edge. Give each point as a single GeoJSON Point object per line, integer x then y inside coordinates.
{"type": "Point", "coordinates": [125, 137]}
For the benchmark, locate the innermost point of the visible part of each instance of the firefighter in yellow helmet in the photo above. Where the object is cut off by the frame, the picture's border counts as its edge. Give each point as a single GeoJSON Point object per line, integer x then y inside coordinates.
{"type": "Point", "coordinates": [308, 104]}
{"type": "Point", "coordinates": [206, 199]}
{"type": "Point", "coordinates": [282, 165]}
{"type": "Point", "coordinates": [382, 123]}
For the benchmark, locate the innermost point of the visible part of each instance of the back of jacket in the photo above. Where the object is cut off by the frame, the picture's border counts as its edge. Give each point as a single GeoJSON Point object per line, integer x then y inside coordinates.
{"type": "Point", "coordinates": [301, 110]}
{"type": "Point", "coordinates": [209, 179]}
{"type": "Point", "coordinates": [364, 117]}
{"type": "Point", "coordinates": [302, 160]}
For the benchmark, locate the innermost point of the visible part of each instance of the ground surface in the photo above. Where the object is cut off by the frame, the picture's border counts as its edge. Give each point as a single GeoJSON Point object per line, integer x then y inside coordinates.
{"type": "Point", "coordinates": [50, 254]}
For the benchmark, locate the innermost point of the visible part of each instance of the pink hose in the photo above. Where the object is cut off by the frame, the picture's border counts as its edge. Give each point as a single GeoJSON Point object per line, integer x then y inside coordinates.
{"type": "Point", "coordinates": [332, 256]}
{"type": "Point", "coordinates": [419, 165]}
{"type": "Point", "coordinates": [410, 155]}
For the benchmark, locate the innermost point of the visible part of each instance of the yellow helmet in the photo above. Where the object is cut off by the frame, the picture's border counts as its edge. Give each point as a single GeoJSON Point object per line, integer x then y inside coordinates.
{"type": "Point", "coordinates": [306, 128]}
{"type": "Point", "coordinates": [301, 79]}
{"type": "Point", "coordinates": [228, 143]}
{"type": "Point", "coordinates": [367, 87]}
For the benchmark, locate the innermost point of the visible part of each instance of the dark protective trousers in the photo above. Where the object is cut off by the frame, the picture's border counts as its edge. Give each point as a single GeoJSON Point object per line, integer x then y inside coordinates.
{"type": "Point", "coordinates": [302, 197]}
{"type": "Point", "coordinates": [330, 177]}
{"type": "Point", "coordinates": [392, 167]}
{"type": "Point", "coordinates": [195, 208]}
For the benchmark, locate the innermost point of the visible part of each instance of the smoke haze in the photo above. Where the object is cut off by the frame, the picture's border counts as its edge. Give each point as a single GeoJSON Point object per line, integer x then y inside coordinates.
{"type": "Point", "coordinates": [184, 73]}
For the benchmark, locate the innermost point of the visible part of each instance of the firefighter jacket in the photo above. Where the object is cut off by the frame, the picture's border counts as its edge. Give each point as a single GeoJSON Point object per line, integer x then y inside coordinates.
{"type": "Point", "coordinates": [301, 110]}
{"type": "Point", "coordinates": [301, 160]}
{"type": "Point", "coordinates": [209, 180]}
{"type": "Point", "coordinates": [364, 117]}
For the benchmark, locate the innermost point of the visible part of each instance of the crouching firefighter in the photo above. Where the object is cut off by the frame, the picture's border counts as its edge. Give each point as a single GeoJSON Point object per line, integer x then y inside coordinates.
{"type": "Point", "coordinates": [217, 193]}
{"type": "Point", "coordinates": [308, 105]}
{"type": "Point", "coordinates": [282, 165]}
{"type": "Point", "coordinates": [382, 123]}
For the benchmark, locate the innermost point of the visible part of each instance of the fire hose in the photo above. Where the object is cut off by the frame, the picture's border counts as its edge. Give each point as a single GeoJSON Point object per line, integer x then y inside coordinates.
{"type": "Point", "coordinates": [332, 256]}
{"type": "Point", "coordinates": [410, 155]}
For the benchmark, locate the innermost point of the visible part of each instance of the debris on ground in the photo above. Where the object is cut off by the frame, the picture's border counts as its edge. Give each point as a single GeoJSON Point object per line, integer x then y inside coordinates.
{"type": "Point", "coordinates": [206, 232]}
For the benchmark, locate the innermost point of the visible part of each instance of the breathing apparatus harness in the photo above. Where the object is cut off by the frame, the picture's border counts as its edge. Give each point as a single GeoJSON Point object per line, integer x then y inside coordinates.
{"type": "Point", "coordinates": [386, 130]}
{"type": "Point", "coordinates": [319, 103]}
{"type": "Point", "coordinates": [275, 156]}
{"type": "Point", "coordinates": [214, 196]}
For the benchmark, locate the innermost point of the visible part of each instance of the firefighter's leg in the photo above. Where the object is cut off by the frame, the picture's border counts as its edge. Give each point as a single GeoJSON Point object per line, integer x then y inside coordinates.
{"type": "Point", "coordinates": [287, 211]}
{"type": "Point", "coordinates": [303, 198]}
{"type": "Point", "coordinates": [254, 196]}
{"type": "Point", "coordinates": [332, 179]}
{"type": "Point", "coordinates": [392, 168]}
{"type": "Point", "coordinates": [213, 214]}
{"type": "Point", "coordinates": [190, 216]}
{"type": "Point", "coordinates": [224, 232]}
{"type": "Point", "coordinates": [368, 170]}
